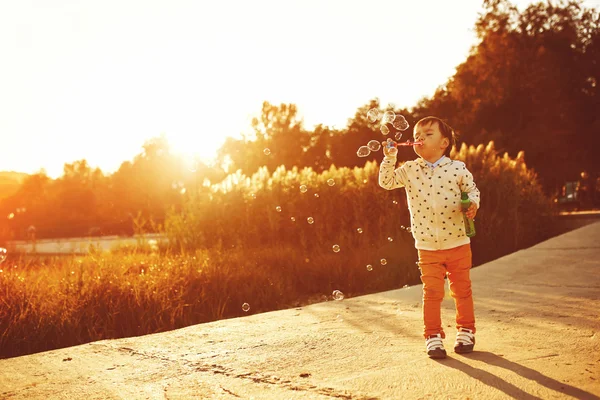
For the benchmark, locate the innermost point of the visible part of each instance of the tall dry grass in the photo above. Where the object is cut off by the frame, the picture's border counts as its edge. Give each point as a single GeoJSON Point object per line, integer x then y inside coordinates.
{"type": "Point", "coordinates": [230, 245]}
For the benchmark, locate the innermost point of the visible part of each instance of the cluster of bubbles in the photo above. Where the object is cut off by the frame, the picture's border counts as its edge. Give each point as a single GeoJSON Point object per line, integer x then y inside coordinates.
{"type": "Point", "coordinates": [310, 220]}
{"type": "Point", "coordinates": [397, 121]}
{"type": "Point", "coordinates": [304, 189]}
{"type": "Point", "coordinates": [3, 254]}
{"type": "Point", "coordinates": [383, 261]}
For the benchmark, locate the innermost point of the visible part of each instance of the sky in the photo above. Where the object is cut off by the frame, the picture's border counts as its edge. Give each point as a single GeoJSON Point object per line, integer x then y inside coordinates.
{"type": "Point", "coordinates": [94, 80]}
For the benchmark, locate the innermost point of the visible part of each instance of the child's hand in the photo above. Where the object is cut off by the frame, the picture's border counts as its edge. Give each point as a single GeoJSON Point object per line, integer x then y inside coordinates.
{"type": "Point", "coordinates": [388, 151]}
{"type": "Point", "coordinates": [471, 211]}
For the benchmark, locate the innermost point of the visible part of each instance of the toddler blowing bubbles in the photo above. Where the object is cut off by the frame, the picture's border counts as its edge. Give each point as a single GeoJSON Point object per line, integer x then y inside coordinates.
{"type": "Point", "coordinates": [433, 184]}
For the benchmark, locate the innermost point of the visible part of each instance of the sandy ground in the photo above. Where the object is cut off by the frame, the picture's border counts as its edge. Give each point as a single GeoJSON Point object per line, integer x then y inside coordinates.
{"type": "Point", "coordinates": [538, 337]}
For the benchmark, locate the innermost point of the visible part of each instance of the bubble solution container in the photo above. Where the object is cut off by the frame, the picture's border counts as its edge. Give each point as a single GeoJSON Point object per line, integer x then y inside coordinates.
{"type": "Point", "coordinates": [465, 203]}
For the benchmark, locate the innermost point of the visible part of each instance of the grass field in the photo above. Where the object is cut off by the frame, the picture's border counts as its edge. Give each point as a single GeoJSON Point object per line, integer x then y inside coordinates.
{"type": "Point", "coordinates": [263, 241]}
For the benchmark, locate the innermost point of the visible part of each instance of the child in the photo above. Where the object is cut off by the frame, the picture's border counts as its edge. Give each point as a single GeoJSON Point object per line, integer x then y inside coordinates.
{"type": "Point", "coordinates": [433, 185]}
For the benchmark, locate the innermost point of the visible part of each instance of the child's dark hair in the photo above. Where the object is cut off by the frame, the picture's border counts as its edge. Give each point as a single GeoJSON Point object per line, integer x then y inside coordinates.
{"type": "Point", "coordinates": [445, 129]}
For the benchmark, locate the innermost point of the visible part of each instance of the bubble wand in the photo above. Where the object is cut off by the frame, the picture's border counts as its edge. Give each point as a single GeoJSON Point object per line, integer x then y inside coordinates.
{"type": "Point", "coordinates": [375, 145]}
{"type": "Point", "coordinates": [391, 143]}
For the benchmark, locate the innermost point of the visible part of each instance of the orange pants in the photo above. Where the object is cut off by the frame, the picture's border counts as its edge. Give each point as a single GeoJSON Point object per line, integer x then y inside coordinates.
{"type": "Point", "coordinates": [434, 266]}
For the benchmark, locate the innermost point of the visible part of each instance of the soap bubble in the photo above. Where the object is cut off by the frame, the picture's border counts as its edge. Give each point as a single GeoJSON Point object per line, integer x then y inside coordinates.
{"type": "Point", "coordinates": [384, 129]}
{"type": "Point", "coordinates": [310, 220]}
{"type": "Point", "coordinates": [363, 151]}
{"type": "Point", "coordinates": [359, 230]}
{"type": "Point", "coordinates": [317, 195]}
{"type": "Point", "coordinates": [388, 116]}
{"type": "Point", "coordinates": [400, 123]}
{"type": "Point", "coordinates": [246, 307]}
{"type": "Point", "coordinates": [337, 295]}
{"type": "Point", "coordinates": [267, 151]}
{"type": "Point", "coordinates": [374, 145]}
{"type": "Point", "coordinates": [3, 254]}
{"type": "Point", "coordinates": [394, 201]}
{"type": "Point", "coordinates": [383, 261]}
{"type": "Point", "coordinates": [369, 267]}
{"type": "Point", "coordinates": [336, 248]}
{"type": "Point", "coordinates": [391, 150]}
{"type": "Point", "coordinates": [330, 181]}
{"type": "Point", "coordinates": [373, 114]}
{"type": "Point", "coordinates": [278, 208]}
{"type": "Point", "coordinates": [390, 239]}
{"type": "Point", "coordinates": [303, 188]}
{"type": "Point", "coordinates": [293, 219]}
{"type": "Point", "coordinates": [398, 136]}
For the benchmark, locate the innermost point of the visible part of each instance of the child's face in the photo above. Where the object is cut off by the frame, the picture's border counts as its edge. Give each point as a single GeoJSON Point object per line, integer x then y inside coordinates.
{"type": "Point", "coordinates": [434, 143]}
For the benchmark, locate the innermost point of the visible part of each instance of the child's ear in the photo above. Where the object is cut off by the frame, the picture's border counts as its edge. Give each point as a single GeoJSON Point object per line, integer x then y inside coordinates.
{"type": "Point", "coordinates": [445, 142]}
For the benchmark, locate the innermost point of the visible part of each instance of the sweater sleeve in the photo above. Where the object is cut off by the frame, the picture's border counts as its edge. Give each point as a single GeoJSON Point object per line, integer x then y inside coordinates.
{"type": "Point", "coordinates": [467, 184]}
{"type": "Point", "coordinates": [388, 177]}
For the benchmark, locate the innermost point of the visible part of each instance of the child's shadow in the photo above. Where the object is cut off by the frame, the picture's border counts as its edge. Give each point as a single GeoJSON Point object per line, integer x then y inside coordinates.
{"type": "Point", "coordinates": [506, 387]}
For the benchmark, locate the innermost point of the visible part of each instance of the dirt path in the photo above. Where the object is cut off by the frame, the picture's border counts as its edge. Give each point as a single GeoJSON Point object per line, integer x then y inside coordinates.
{"type": "Point", "coordinates": [82, 245]}
{"type": "Point", "coordinates": [538, 337]}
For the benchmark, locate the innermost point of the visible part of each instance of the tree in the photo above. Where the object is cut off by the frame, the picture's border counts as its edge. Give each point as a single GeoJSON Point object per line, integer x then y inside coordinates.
{"type": "Point", "coordinates": [530, 84]}
{"type": "Point", "coordinates": [278, 138]}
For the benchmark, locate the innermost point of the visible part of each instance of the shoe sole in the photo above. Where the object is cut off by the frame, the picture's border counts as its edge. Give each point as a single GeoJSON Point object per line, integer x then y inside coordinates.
{"type": "Point", "coordinates": [437, 353]}
{"type": "Point", "coordinates": [464, 349]}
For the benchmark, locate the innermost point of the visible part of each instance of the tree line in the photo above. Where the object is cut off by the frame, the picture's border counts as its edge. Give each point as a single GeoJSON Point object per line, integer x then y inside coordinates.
{"type": "Point", "coordinates": [529, 84]}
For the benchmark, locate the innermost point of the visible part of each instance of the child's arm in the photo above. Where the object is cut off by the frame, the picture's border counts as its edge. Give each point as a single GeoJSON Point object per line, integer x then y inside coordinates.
{"type": "Point", "coordinates": [467, 184]}
{"type": "Point", "coordinates": [388, 177]}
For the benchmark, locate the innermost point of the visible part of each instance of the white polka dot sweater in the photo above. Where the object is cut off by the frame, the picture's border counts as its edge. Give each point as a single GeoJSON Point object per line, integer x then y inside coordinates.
{"type": "Point", "coordinates": [433, 196]}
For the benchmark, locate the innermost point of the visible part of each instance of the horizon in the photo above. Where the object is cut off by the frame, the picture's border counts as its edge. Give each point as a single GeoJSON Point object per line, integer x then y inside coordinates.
{"type": "Point", "coordinates": [95, 82]}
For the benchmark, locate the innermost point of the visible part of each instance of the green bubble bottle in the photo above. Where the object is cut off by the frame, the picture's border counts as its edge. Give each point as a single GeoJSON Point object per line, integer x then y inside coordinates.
{"type": "Point", "coordinates": [465, 203]}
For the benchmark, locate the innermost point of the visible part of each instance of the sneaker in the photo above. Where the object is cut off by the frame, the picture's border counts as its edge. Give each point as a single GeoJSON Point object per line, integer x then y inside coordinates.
{"type": "Point", "coordinates": [465, 340]}
{"type": "Point", "coordinates": [435, 347]}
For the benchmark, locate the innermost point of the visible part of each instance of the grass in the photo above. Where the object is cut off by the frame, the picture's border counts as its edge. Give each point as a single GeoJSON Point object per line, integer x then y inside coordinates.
{"type": "Point", "coordinates": [230, 245]}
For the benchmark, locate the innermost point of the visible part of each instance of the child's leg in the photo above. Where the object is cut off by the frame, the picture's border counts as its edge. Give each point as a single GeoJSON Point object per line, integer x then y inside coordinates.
{"type": "Point", "coordinates": [432, 276]}
{"type": "Point", "coordinates": [459, 264]}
